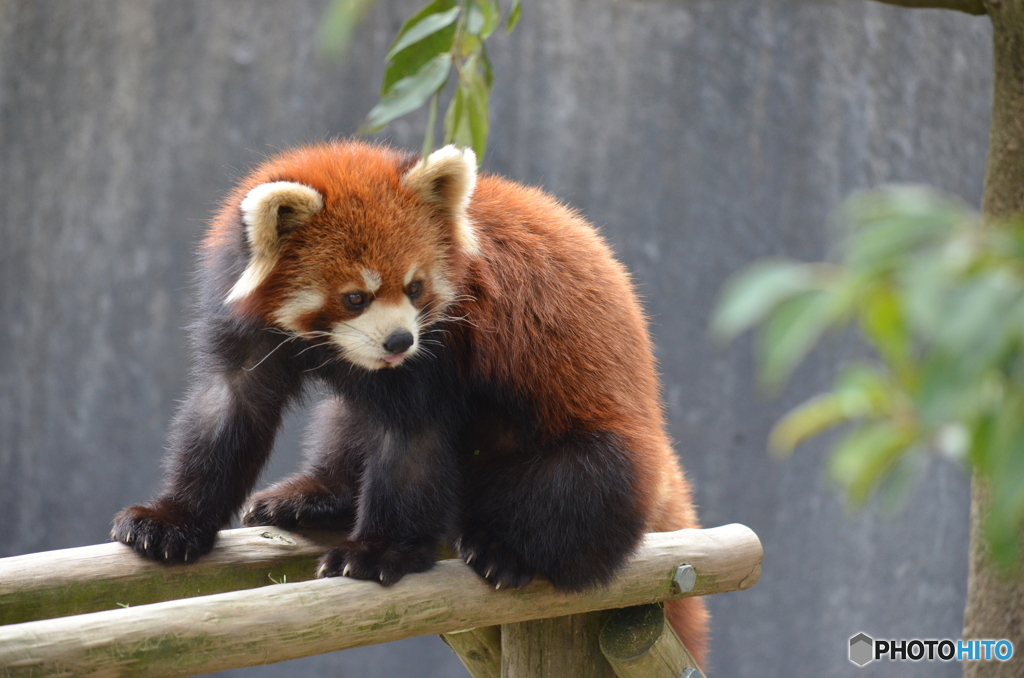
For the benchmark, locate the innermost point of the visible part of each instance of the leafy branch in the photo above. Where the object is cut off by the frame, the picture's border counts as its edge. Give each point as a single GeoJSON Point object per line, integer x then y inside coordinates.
{"type": "Point", "coordinates": [445, 38]}
{"type": "Point", "coordinates": [940, 299]}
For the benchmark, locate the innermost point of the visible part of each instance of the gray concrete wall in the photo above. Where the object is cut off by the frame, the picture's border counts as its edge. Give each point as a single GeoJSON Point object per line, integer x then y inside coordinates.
{"type": "Point", "coordinates": [697, 135]}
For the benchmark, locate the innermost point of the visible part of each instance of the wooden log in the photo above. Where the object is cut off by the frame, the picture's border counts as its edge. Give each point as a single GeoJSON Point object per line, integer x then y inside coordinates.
{"type": "Point", "coordinates": [109, 576]}
{"type": "Point", "coordinates": [638, 643]}
{"type": "Point", "coordinates": [562, 647]}
{"type": "Point", "coordinates": [479, 649]}
{"type": "Point", "coordinates": [279, 622]}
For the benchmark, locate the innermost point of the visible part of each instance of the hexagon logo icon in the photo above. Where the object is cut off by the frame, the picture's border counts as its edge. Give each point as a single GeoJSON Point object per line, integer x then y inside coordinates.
{"type": "Point", "coordinates": [862, 648]}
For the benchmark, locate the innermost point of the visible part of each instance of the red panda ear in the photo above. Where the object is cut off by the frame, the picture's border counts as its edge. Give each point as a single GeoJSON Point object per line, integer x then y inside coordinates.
{"type": "Point", "coordinates": [446, 179]}
{"type": "Point", "coordinates": [270, 212]}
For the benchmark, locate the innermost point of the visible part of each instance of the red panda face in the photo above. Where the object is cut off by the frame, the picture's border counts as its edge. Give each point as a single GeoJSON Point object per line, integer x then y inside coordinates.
{"type": "Point", "coordinates": [374, 315]}
{"type": "Point", "coordinates": [351, 251]}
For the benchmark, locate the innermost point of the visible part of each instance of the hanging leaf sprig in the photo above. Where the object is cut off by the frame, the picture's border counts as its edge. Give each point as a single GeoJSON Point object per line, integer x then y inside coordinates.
{"type": "Point", "coordinates": [445, 38]}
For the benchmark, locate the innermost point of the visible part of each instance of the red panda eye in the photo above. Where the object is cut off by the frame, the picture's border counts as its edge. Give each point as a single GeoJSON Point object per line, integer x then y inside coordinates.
{"type": "Point", "coordinates": [356, 300]}
{"type": "Point", "coordinates": [414, 289]}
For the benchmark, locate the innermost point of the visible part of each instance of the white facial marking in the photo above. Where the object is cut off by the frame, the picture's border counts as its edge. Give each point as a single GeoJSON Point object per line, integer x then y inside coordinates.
{"type": "Point", "coordinates": [443, 289]}
{"type": "Point", "coordinates": [410, 275]}
{"type": "Point", "coordinates": [362, 338]}
{"type": "Point", "coordinates": [298, 305]}
{"type": "Point", "coordinates": [372, 280]}
{"type": "Point", "coordinates": [255, 273]}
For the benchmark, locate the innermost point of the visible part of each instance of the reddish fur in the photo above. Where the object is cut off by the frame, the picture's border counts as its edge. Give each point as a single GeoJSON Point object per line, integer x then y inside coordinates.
{"type": "Point", "coordinates": [544, 268]}
{"type": "Point", "coordinates": [550, 314]}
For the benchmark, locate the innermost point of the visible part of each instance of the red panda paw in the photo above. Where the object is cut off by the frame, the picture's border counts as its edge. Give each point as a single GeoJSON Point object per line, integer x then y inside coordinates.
{"type": "Point", "coordinates": [289, 505]}
{"type": "Point", "coordinates": [494, 561]}
{"type": "Point", "coordinates": [385, 562]}
{"type": "Point", "coordinates": [162, 532]}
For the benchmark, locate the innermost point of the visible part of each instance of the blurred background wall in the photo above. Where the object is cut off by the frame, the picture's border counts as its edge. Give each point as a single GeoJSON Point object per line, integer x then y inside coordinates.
{"type": "Point", "coordinates": [698, 135]}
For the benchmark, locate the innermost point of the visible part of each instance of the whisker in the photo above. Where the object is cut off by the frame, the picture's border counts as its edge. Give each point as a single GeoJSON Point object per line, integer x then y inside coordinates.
{"type": "Point", "coordinates": [308, 348]}
{"type": "Point", "coordinates": [350, 328]}
{"type": "Point", "coordinates": [456, 319]}
{"type": "Point", "coordinates": [250, 369]}
{"type": "Point", "coordinates": [326, 362]}
{"type": "Point", "coordinates": [424, 352]}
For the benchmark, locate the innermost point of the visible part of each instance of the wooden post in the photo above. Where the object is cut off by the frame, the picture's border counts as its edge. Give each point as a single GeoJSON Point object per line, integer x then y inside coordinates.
{"type": "Point", "coordinates": [479, 649]}
{"type": "Point", "coordinates": [639, 644]}
{"type": "Point", "coordinates": [561, 647]}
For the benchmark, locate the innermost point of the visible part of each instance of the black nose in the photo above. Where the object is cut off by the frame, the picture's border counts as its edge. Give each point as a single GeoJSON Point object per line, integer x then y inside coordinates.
{"type": "Point", "coordinates": [399, 341]}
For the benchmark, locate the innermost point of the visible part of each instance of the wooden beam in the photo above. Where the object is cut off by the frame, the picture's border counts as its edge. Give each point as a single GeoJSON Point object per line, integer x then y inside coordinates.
{"type": "Point", "coordinates": [975, 7]}
{"type": "Point", "coordinates": [639, 644]}
{"type": "Point", "coordinates": [479, 649]}
{"type": "Point", "coordinates": [109, 576]}
{"type": "Point", "coordinates": [279, 622]}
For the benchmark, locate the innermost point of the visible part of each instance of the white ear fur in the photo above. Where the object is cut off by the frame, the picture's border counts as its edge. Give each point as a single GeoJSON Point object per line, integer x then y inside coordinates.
{"type": "Point", "coordinates": [446, 178]}
{"type": "Point", "coordinates": [266, 227]}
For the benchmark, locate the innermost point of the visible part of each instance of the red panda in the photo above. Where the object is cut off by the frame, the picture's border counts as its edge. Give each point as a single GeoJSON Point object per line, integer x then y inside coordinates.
{"type": "Point", "coordinates": [489, 378]}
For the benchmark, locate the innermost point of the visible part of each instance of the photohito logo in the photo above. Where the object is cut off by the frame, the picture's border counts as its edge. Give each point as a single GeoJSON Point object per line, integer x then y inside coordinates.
{"type": "Point", "coordinates": [864, 648]}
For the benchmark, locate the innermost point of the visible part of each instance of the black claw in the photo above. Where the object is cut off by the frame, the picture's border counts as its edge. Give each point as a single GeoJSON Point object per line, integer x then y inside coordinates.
{"type": "Point", "coordinates": [495, 562]}
{"type": "Point", "coordinates": [383, 563]}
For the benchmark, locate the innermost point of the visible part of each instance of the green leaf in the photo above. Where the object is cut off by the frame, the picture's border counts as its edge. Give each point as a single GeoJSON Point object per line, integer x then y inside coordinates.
{"type": "Point", "coordinates": [791, 332]}
{"type": "Point", "coordinates": [513, 16]}
{"type": "Point", "coordinates": [1006, 480]}
{"type": "Point", "coordinates": [409, 93]}
{"type": "Point", "coordinates": [474, 19]}
{"type": "Point", "coordinates": [412, 59]}
{"type": "Point", "coordinates": [338, 25]}
{"type": "Point", "coordinates": [750, 296]}
{"type": "Point", "coordinates": [426, 26]}
{"type": "Point", "coordinates": [860, 392]}
{"type": "Point", "coordinates": [866, 455]}
{"type": "Point", "coordinates": [924, 290]}
{"type": "Point", "coordinates": [882, 320]}
{"type": "Point", "coordinates": [483, 18]}
{"type": "Point", "coordinates": [975, 315]}
{"type": "Point", "coordinates": [488, 71]}
{"type": "Point", "coordinates": [428, 138]}
{"type": "Point", "coordinates": [469, 45]}
{"type": "Point", "coordinates": [941, 393]}
{"type": "Point", "coordinates": [811, 418]}
{"type": "Point", "coordinates": [476, 106]}
{"type": "Point", "coordinates": [891, 223]}
{"type": "Point", "coordinates": [434, 7]}
{"type": "Point", "coordinates": [456, 121]}
{"type": "Point", "coordinates": [453, 117]}
{"type": "Point", "coordinates": [466, 121]}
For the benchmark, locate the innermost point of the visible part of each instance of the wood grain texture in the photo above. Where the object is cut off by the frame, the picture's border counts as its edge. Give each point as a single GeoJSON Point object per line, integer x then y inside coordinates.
{"type": "Point", "coordinates": [638, 643]}
{"type": "Point", "coordinates": [275, 623]}
{"type": "Point", "coordinates": [975, 7]}
{"type": "Point", "coordinates": [478, 649]}
{"type": "Point", "coordinates": [562, 647]}
{"type": "Point", "coordinates": [109, 576]}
